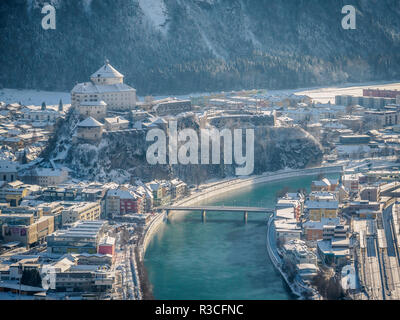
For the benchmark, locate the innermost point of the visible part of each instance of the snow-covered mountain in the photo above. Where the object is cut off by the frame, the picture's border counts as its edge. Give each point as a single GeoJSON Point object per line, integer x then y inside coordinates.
{"type": "Point", "coordinates": [181, 46]}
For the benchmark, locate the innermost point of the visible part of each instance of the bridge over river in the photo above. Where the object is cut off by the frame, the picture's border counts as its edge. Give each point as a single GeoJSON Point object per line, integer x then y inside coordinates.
{"type": "Point", "coordinates": [205, 209]}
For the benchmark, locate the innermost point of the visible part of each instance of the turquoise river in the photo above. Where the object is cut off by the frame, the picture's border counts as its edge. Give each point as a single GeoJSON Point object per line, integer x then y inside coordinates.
{"type": "Point", "coordinates": [223, 258]}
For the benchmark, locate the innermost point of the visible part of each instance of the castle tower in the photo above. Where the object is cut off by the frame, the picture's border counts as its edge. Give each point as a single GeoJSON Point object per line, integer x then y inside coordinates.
{"type": "Point", "coordinates": [107, 75]}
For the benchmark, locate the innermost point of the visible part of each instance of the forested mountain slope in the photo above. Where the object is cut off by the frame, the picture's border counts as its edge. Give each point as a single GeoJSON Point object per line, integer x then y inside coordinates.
{"type": "Point", "coordinates": [183, 46]}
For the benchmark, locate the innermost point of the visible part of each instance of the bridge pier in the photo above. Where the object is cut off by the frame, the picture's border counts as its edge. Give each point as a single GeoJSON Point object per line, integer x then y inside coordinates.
{"type": "Point", "coordinates": [245, 216]}
{"type": "Point", "coordinates": [203, 216]}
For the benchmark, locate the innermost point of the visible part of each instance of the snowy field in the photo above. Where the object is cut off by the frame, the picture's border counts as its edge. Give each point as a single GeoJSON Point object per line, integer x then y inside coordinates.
{"type": "Point", "coordinates": [34, 97]}
{"type": "Point", "coordinates": [325, 95]}
{"type": "Point", "coordinates": [322, 95]}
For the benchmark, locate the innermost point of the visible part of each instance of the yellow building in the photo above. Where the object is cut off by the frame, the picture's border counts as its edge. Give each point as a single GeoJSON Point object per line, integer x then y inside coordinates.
{"type": "Point", "coordinates": [322, 209]}
{"type": "Point", "coordinates": [27, 233]}
{"type": "Point", "coordinates": [13, 192]}
{"type": "Point", "coordinates": [76, 211]}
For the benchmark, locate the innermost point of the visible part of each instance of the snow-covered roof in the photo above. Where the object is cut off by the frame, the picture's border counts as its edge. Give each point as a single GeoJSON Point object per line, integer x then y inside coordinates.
{"type": "Point", "coordinates": [115, 120]}
{"type": "Point", "coordinates": [89, 122]}
{"type": "Point", "coordinates": [107, 71]}
{"type": "Point", "coordinates": [93, 103]}
{"type": "Point", "coordinates": [48, 172]}
{"type": "Point", "coordinates": [123, 194]}
{"type": "Point", "coordinates": [107, 241]}
{"type": "Point", "coordinates": [322, 204]}
{"type": "Point", "coordinates": [159, 121]}
{"type": "Point", "coordinates": [8, 166]}
{"type": "Point", "coordinates": [89, 87]}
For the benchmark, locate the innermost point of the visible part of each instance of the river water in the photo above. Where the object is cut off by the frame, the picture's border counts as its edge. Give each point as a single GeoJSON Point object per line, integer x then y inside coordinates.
{"type": "Point", "coordinates": [223, 258]}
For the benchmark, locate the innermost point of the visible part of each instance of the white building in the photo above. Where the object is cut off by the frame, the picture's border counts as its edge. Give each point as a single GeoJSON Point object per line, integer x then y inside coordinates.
{"type": "Point", "coordinates": [45, 176]}
{"type": "Point", "coordinates": [351, 182]}
{"type": "Point", "coordinates": [105, 84]}
{"type": "Point", "coordinates": [116, 123]}
{"type": "Point", "coordinates": [8, 170]}
{"type": "Point", "coordinates": [36, 114]}
{"type": "Point", "coordinates": [90, 129]}
{"type": "Point", "coordinates": [94, 109]}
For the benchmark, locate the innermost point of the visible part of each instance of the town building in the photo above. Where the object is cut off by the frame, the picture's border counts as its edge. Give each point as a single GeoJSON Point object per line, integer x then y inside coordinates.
{"type": "Point", "coordinates": [314, 230]}
{"type": "Point", "coordinates": [322, 209]}
{"type": "Point", "coordinates": [291, 203]}
{"type": "Point", "coordinates": [90, 130]}
{"type": "Point", "coordinates": [178, 189]}
{"type": "Point", "coordinates": [116, 123]}
{"type": "Point", "coordinates": [287, 229]}
{"type": "Point", "coordinates": [44, 177]}
{"type": "Point", "coordinates": [25, 227]}
{"type": "Point", "coordinates": [351, 182]}
{"type": "Point", "coordinates": [73, 275]}
{"type": "Point", "coordinates": [123, 201]}
{"type": "Point", "coordinates": [298, 252]}
{"type": "Point", "coordinates": [367, 102]}
{"type": "Point", "coordinates": [80, 211]}
{"type": "Point", "coordinates": [161, 192]}
{"type": "Point", "coordinates": [324, 185]}
{"type": "Point", "coordinates": [380, 93]}
{"type": "Point", "coordinates": [370, 193]}
{"type": "Point", "coordinates": [171, 106]}
{"type": "Point", "coordinates": [107, 246]}
{"type": "Point", "coordinates": [83, 237]}
{"type": "Point", "coordinates": [94, 109]}
{"type": "Point", "coordinates": [355, 139]}
{"type": "Point", "coordinates": [307, 271]}
{"type": "Point", "coordinates": [8, 170]}
{"type": "Point", "coordinates": [13, 192]}
{"type": "Point", "coordinates": [382, 119]}
{"type": "Point", "coordinates": [335, 251]}
{"type": "Point", "coordinates": [37, 114]}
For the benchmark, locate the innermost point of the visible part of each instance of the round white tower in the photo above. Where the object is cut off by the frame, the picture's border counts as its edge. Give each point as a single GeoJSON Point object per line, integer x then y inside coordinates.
{"type": "Point", "coordinates": [106, 75]}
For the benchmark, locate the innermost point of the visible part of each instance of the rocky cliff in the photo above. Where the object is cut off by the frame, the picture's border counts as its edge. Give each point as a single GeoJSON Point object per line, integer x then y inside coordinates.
{"type": "Point", "coordinates": [120, 156]}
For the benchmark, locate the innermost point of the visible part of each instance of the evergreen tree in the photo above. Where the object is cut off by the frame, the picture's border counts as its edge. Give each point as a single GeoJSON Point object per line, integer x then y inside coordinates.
{"type": "Point", "coordinates": [43, 105]}
{"type": "Point", "coordinates": [31, 277]}
{"type": "Point", "coordinates": [60, 106]}
{"type": "Point", "coordinates": [24, 159]}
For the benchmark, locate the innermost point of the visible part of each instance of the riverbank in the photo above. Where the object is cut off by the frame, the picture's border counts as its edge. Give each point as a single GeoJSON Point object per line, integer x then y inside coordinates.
{"type": "Point", "coordinates": [297, 289]}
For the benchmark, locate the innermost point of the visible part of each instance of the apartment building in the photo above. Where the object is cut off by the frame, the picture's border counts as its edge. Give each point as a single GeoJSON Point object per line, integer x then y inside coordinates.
{"type": "Point", "coordinates": [80, 211]}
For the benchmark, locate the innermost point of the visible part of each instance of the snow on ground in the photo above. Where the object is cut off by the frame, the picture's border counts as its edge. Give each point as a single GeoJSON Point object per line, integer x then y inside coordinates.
{"type": "Point", "coordinates": [325, 95]}
{"type": "Point", "coordinates": [322, 94]}
{"type": "Point", "coordinates": [35, 97]}
{"type": "Point", "coordinates": [156, 12]}
{"type": "Point", "coordinates": [87, 4]}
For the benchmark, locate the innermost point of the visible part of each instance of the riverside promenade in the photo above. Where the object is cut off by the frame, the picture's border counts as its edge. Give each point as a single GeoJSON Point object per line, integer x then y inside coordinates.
{"type": "Point", "coordinates": [296, 287]}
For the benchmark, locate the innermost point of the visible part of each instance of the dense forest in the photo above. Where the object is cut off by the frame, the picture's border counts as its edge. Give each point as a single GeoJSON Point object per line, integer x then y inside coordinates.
{"type": "Point", "coordinates": [183, 46]}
